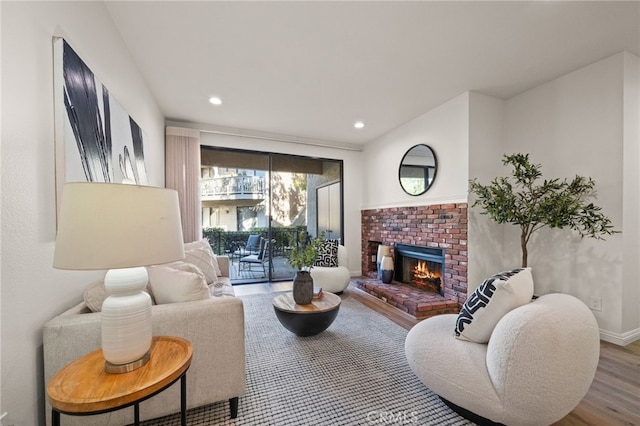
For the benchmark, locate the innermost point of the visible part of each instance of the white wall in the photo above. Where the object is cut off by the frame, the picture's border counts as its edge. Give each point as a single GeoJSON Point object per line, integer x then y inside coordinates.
{"type": "Point", "coordinates": [631, 194]}
{"type": "Point", "coordinates": [32, 291]}
{"type": "Point", "coordinates": [446, 130]}
{"type": "Point", "coordinates": [486, 147]}
{"type": "Point", "coordinates": [574, 125]}
{"type": "Point", "coordinates": [352, 179]}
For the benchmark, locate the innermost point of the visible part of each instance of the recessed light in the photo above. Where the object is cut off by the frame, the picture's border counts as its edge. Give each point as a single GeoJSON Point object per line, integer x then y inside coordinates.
{"type": "Point", "coordinates": [215, 100]}
{"type": "Point", "coordinates": [358, 125]}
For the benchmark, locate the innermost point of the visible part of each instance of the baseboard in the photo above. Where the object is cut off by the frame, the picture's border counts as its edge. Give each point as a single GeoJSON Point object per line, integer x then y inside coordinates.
{"type": "Point", "coordinates": [620, 339]}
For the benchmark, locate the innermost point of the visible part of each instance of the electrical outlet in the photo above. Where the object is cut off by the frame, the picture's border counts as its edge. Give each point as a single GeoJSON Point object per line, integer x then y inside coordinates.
{"type": "Point", "coordinates": [595, 303]}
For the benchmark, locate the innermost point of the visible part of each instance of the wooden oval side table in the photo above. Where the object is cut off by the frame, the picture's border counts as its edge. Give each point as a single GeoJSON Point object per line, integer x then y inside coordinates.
{"type": "Point", "coordinates": [83, 387]}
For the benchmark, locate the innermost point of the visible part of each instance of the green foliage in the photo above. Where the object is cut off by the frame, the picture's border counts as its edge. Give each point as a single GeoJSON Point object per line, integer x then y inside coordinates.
{"type": "Point", "coordinates": [300, 182]}
{"type": "Point", "coordinates": [522, 200]}
{"type": "Point", "coordinates": [303, 256]}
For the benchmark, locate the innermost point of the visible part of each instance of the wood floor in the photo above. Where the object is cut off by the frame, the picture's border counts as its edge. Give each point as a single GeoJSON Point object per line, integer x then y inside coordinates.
{"type": "Point", "coordinates": [612, 400]}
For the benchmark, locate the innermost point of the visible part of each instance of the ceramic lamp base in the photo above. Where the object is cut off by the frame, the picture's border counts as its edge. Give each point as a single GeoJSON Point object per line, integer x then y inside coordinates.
{"type": "Point", "coordinates": [126, 320]}
{"type": "Point", "coordinates": [125, 368]}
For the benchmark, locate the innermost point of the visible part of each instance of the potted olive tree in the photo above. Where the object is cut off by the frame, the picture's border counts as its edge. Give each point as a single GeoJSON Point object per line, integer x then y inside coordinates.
{"type": "Point", "coordinates": [532, 205]}
{"type": "Point", "coordinates": [302, 258]}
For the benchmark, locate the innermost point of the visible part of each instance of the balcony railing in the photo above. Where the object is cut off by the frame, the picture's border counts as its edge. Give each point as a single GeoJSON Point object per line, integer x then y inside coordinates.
{"type": "Point", "coordinates": [233, 187]}
{"type": "Point", "coordinates": [225, 242]}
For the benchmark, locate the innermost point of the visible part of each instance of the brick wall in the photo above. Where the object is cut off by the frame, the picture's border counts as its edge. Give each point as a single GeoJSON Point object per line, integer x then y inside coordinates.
{"type": "Point", "coordinates": [438, 225]}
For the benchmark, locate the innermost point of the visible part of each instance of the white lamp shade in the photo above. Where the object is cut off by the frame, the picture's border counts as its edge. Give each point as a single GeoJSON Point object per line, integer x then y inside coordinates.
{"type": "Point", "coordinates": [105, 226]}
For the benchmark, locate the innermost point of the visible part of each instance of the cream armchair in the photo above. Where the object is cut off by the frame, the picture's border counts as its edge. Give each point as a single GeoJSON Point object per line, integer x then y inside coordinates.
{"type": "Point", "coordinates": [539, 363]}
{"type": "Point", "coordinates": [333, 279]}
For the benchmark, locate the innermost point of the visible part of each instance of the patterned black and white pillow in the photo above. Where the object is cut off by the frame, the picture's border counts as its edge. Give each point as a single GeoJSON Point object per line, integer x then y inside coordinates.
{"type": "Point", "coordinates": [327, 254]}
{"type": "Point", "coordinates": [494, 298]}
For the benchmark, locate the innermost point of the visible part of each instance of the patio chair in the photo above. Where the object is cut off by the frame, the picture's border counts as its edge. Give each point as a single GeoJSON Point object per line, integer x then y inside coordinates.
{"type": "Point", "coordinates": [262, 259]}
{"type": "Point", "coordinates": [253, 246]}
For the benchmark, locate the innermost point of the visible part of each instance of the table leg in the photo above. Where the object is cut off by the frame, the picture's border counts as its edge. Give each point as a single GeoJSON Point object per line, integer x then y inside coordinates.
{"type": "Point", "coordinates": [55, 417]}
{"type": "Point", "coordinates": [233, 407]}
{"type": "Point", "coordinates": [136, 414]}
{"type": "Point", "coordinates": [183, 399]}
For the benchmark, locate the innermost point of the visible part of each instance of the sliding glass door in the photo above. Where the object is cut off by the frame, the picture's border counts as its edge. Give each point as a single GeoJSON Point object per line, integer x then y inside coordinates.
{"type": "Point", "coordinates": [255, 204]}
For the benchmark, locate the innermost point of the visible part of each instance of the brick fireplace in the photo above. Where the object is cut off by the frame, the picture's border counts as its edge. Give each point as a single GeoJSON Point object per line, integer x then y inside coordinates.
{"type": "Point", "coordinates": [442, 226]}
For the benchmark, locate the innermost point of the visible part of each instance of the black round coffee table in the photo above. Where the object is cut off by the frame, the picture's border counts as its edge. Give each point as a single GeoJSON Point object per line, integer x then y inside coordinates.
{"type": "Point", "coordinates": [306, 320]}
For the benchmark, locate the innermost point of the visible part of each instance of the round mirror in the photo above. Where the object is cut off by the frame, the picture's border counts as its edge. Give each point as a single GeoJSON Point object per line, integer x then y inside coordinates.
{"type": "Point", "coordinates": [418, 170]}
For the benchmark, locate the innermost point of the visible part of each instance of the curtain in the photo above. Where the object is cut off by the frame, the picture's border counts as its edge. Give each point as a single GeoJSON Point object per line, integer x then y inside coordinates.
{"type": "Point", "coordinates": [182, 173]}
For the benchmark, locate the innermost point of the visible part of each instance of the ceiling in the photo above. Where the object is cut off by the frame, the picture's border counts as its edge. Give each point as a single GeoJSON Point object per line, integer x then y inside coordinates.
{"type": "Point", "coordinates": [311, 69]}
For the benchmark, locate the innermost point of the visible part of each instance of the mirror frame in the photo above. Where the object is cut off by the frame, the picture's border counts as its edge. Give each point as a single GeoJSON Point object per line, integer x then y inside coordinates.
{"type": "Point", "coordinates": [426, 170]}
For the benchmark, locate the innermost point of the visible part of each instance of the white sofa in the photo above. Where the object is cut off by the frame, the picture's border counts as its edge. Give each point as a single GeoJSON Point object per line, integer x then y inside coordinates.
{"type": "Point", "coordinates": [333, 279]}
{"type": "Point", "coordinates": [539, 363]}
{"type": "Point", "coordinates": [214, 326]}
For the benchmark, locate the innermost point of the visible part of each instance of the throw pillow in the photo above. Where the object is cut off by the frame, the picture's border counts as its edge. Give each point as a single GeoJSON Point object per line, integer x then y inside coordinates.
{"type": "Point", "coordinates": [177, 282]}
{"type": "Point", "coordinates": [494, 298]}
{"type": "Point", "coordinates": [327, 254]}
{"type": "Point", "coordinates": [95, 293]}
{"type": "Point", "coordinates": [94, 296]}
{"type": "Point", "coordinates": [199, 253]}
{"type": "Point", "coordinates": [202, 243]}
{"type": "Point", "coordinates": [221, 288]}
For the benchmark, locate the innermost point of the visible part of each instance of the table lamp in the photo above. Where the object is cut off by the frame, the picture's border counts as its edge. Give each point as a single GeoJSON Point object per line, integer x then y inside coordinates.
{"type": "Point", "coordinates": [121, 228]}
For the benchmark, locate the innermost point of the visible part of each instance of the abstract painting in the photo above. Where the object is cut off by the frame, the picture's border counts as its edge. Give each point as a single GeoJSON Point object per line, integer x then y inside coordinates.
{"type": "Point", "coordinates": [96, 139]}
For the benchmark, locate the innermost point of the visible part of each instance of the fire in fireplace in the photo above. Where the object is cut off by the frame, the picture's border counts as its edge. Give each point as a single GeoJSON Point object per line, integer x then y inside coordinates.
{"type": "Point", "coordinates": [423, 277]}
{"type": "Point", "coordinates": [420, 266]}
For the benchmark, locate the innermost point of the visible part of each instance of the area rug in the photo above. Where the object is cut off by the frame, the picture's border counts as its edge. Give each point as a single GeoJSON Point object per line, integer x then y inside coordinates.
{"type": "Point", "coordinates": [354, 373]}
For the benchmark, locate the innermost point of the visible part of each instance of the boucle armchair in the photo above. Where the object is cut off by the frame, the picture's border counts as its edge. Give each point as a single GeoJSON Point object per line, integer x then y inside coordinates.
{"type": "Point", "coordinates": [214, 326]}
{"type": "Point", "coordinates": [333, 279]}
{"type": "Point", "coordinates": [539, 363]}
